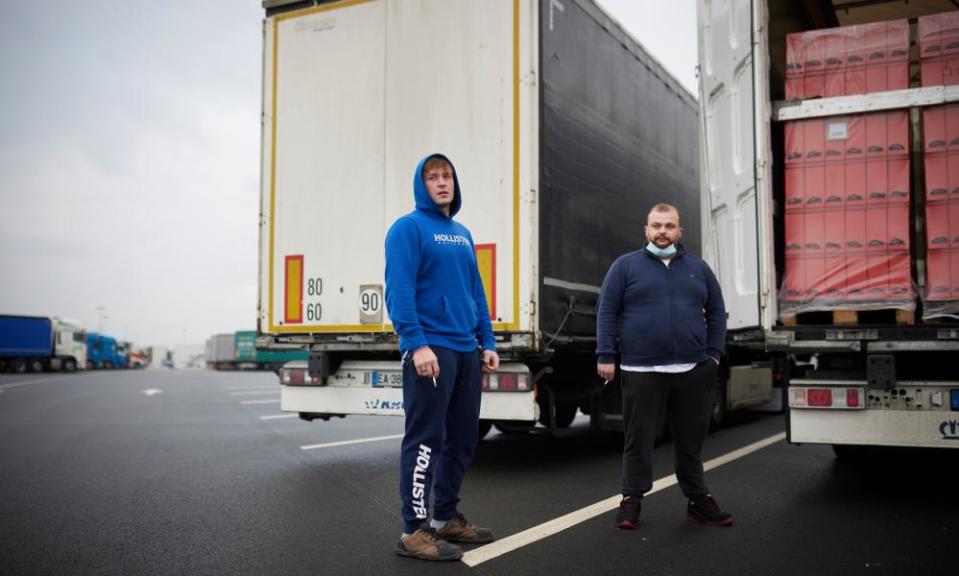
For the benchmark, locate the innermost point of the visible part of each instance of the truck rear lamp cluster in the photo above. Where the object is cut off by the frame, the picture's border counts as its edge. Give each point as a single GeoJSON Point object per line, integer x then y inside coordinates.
{"type": "Point", "coordinates": [841, 398]}
{"type": "Point", "coordinates": [297, 377]}
{"type": "Point", "coordinates": [506, 382]}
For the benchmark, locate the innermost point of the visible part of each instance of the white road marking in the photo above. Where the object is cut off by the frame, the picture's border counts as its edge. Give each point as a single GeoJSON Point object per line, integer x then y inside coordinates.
{"type": "Point", "coordinates": [152, 391]}
{"type": "Point", "coordinates": [256, 393]}
{"type": "Point", "coordinates": [7, 386]}
{"type": "Point", "coordinates": [536, 533]}
{"type": "Point", "coordinates": [277, 401]}
{"type": "Point", "coordinates": [28, 382]}
{"type": "Point", "coordinates": [349, 442]}
{"type": "Point", "coordinates": [278, 416]}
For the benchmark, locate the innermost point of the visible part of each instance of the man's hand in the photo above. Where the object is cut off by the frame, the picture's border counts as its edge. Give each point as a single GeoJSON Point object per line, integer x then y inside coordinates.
{"type": "Point", "coordinates": [490, 361]}
{"type": "Point", "coordinates": [425, 362]}
{"type": "Point", "coordinates": [606, 371]}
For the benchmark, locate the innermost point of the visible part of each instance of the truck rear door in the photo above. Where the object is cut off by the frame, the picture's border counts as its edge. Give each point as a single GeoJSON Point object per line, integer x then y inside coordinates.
{"type": "Point", "coordinates": [736, 193]}
{"type": "Point", "coordinates": [355, 94]}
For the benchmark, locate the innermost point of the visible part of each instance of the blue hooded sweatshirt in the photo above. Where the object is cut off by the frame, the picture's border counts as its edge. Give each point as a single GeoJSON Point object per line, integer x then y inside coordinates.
{"type": "Point", "coordinates": [434, 293]}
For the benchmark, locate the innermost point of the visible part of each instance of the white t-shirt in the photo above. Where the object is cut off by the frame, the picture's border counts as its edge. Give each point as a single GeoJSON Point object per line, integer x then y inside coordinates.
{"type": "Point", "coordinates": [664, 369]}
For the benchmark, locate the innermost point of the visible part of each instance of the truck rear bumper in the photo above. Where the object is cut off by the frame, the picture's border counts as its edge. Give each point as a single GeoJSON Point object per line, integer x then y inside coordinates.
{"type": "Point", "coordinates": [389, 402]}
{"type": "Point", "coordinates": [917, 428]}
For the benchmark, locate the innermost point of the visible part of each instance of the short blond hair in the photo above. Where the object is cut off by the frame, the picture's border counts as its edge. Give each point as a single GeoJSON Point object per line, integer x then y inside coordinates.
{"type": "Point", "coordinates": [663, 207]}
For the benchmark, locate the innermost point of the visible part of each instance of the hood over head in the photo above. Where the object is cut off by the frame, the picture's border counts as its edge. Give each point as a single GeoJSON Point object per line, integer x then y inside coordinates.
{"type": "Point", "coordinates": [422, 197]}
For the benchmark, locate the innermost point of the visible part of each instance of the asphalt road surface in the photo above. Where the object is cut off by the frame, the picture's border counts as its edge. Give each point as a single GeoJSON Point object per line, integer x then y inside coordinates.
{"type": "Point", "coordinates": [198, 472]}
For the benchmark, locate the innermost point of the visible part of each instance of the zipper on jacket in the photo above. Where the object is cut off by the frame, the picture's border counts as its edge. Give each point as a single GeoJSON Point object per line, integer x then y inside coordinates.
{"type": "Point", "coordinates": [669, 298]}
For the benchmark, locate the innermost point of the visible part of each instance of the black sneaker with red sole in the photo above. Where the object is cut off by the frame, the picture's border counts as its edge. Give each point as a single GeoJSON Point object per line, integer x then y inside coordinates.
{"type": "Point", "coordinates": [706, 511]}
{"type": "Point", "coordinates": [628, 516]}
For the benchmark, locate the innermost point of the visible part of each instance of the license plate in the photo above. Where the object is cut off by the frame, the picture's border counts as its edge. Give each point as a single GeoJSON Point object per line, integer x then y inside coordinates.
{"type": "Point", "coordinates": [387, 379]}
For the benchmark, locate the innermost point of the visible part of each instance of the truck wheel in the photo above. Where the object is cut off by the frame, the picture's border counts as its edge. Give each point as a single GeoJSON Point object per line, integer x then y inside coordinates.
{"type": "Point", "coordinates": [19, 367]}
{"type": "Point", "coordinates": [484, 428]}
{"type": "Point", "coordinates": [69, 365]}
{"type": "Point", "coordinates": [36, 366]}
{"type": "Point", "coordinates": [565, 414]}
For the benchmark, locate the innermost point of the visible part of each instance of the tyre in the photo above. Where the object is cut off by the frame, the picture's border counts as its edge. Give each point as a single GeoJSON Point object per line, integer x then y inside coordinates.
{"type": "Point", "coordinates": [565, 414]}
{"type": "Point", "coordinates": [19, 367]}
{"type": "Point", "coordinates": [36, 366]}
{"type": "Point", "coordinates": [69, 365]}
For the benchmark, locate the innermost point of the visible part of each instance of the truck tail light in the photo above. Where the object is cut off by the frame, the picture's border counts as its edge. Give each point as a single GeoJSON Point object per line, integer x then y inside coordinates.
{"type": "Point", "coordinates": [837, 398]}
{"type": "Point", "coordinates": [852, 397]}
{"type": "Point", "coordinates": [506, 382]}
{"type": "Point", "coordinates": [297, 377]}
{"type": "Point", "coordinates": [819, 397]}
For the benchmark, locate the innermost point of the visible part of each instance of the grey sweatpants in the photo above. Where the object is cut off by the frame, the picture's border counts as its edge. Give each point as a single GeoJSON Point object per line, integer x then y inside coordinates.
{"type": "Point", "coordinates": [685, 401]}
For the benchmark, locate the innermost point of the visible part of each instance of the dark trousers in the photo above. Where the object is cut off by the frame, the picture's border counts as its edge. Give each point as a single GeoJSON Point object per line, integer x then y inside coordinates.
{"type": "Point", "coordinates": [685, 401]}
{"type": "Point", "coordinates": [442, 429]}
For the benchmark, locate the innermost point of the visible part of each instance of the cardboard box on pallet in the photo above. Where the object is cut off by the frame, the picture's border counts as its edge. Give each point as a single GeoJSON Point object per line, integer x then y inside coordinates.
{"type": "Point", "coordinates": [848, 60]}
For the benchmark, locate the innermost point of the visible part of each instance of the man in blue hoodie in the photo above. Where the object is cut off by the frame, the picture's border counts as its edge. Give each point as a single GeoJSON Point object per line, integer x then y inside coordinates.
{"type": "Point", "coordinates": [436, 302]}
{"type": "Point", "coordinates": [663, 309]}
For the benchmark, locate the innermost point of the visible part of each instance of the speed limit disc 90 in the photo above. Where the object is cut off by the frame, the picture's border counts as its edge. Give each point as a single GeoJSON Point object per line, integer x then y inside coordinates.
{"type": "Point", "coordinates": [371, 304]}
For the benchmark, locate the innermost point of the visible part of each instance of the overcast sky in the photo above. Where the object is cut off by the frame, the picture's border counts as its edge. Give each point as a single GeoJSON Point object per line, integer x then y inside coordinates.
{"type": "Point", "coordinates": [129, 155]}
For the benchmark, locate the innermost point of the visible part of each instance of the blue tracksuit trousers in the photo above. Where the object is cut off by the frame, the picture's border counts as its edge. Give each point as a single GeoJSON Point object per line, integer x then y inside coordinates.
{"type": "Point", "coordinates": [442, 429]}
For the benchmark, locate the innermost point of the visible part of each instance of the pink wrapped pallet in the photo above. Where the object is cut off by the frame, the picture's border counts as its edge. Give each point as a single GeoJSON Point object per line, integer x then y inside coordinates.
{"type": "Point", "coordinates": [848, 60]}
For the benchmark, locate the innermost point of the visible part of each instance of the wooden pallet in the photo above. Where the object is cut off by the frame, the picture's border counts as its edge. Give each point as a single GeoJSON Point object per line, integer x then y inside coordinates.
{"type": "Point", "coordinates": [844, 317]}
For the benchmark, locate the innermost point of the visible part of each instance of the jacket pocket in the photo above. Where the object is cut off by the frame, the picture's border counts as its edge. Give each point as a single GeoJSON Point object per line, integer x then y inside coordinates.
{"type": "Point", "coordinates": [460, 312]}
{"type": "Point", "coordinates": [432, 314]}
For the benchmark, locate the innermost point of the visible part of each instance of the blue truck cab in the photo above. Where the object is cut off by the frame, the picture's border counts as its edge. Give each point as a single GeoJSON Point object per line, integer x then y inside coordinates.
{"type": "Point", "coordinates": [103, 352]}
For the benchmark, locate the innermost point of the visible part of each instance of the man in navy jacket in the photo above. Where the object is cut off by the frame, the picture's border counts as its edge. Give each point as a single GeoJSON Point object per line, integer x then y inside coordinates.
{"type": "Point", "coordinates": [436, 302]}
{"type": "Point", "coordinates": [662, 310]}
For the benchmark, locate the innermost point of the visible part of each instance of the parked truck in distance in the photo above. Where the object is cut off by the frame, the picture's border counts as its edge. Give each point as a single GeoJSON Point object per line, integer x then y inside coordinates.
{"type": "Point", "coordinates": [564, 132]}
{"type": "Point", "coordinates": [137, 357]}
{"type": "Point", "coordinates": [38, 343]}
{"type": "Point", "coordinates": [249, 357]}
{"type": "Point", "coordinates": [104, 353]}
{"type": "Point", "coordinates": [829, 213]}
{"type": "Point", "coordinates": [221, 353]}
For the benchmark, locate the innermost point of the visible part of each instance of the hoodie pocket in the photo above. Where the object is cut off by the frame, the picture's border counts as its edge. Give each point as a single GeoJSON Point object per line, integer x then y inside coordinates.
{"type": "Point", "coordinates": [461, 313]}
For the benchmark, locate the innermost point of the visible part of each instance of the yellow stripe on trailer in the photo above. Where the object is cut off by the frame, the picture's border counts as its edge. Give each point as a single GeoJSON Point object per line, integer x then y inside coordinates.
{"type": "Point", "coordinates": [486, 262]}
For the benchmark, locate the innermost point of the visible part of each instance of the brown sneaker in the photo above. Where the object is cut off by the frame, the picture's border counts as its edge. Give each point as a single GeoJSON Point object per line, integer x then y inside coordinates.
{"type": "Point", "coordinates": [425, 545]}
{"type": "Point", "coordinates": [459, 529]}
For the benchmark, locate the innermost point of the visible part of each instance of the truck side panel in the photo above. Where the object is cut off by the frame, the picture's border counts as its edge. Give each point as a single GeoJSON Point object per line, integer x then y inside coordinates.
{"type": "Point", "coordinates": [25, 337]}
{"type": "Point", "coordinates": [618, 136]}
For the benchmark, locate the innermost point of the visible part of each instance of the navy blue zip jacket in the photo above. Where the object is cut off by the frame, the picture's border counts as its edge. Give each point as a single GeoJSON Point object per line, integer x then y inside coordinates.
{"type": "Point", "coordinates": [434, 293]}
{"type": "Point", "coordinates": [657, 315]}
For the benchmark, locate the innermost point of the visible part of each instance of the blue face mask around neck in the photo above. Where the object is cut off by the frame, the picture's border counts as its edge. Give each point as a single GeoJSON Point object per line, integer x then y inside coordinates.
{"type": "Point", "coordinates": [661, 252]}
